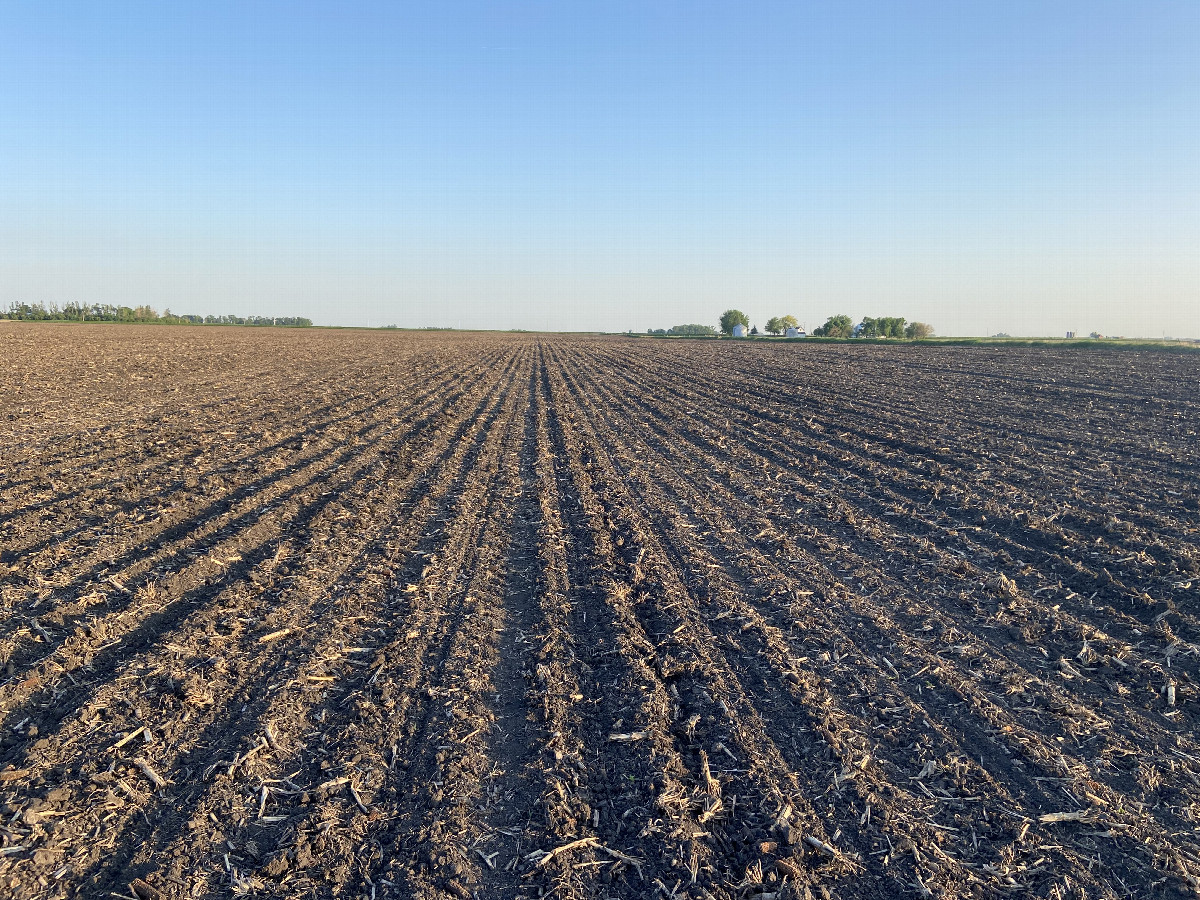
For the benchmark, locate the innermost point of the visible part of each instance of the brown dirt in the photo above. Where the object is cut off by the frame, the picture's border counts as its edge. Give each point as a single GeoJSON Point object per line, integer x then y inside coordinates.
{"type": "Point", "coordinates": [351, 614]}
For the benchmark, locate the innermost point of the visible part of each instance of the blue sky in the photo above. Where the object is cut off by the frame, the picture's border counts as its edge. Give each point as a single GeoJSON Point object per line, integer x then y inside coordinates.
{"type": "Point", "coordinates": [1008, 166]}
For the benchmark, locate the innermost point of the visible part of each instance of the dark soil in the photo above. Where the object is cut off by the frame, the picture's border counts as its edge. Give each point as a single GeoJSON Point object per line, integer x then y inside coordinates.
{"type": "Point", "coordinates": [374, 614]}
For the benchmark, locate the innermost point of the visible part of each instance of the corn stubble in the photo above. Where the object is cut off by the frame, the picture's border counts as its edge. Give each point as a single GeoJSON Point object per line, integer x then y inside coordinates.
{"type": "Point", "coordinates": [388, 614]}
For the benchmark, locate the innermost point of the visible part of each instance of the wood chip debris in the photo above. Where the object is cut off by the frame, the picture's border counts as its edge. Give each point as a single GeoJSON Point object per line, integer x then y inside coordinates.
{"type": "Point", "coordinates": [541, 858]}
{"type": "Point", "coordinates": [129, 737]}
{"type": "Point", "coordinates": [818, 844]}
{"type": "Point", "coordinates": [357, 799]}
{"type": "Point", "coordinates": [629, 735]}
{"type": "Point", "coordinates": [928, 769]}
{"type": "Point", "coordinates": [1078, 815]}
{"type": "Point", "coordinates": [153, 777]}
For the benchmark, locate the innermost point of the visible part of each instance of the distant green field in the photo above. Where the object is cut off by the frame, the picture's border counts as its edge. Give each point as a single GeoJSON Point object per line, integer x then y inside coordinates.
{"type": "Point", "coordinates": [1185, 346]}
{"type": "Point", "coordinates": [1082, 343]}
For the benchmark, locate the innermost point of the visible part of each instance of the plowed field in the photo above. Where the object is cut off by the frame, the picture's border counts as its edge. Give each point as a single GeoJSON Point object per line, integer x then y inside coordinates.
{"type": "Point", "coordinates": [366, 614]}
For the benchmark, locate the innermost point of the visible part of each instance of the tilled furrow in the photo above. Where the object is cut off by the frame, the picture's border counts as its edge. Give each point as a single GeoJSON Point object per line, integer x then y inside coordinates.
{"type": "Point", "coordinates": [206, 700]}
{"type": "Point", "coordinates": [601, 801]}
{"type": "Point", "coordinates": [952, 562]}
{"type": "Point", "coordinates": [643, 459]}
{"type": "Point", "coordinates": [776, 835]}
{"type": "Point", "coordinates": [282, 768]}
{"type": "Point", "coordinates": [842, 444]}
{"type": "Point", "coordinates": [431, 751]}
{"type": "Point", "coordinates": [203, 546]}
{"type": "Point", "coordinates": [143, 457]}
{"type": "Point", "coordinates": [881, 405]}
{"type": "Point", "coordinates": [351, 614]}
{"type": "Point", "coordinates": [778, 681]}
{"type": "Point", "coordinates": [839, 441]}
{"type": "Point", "coordinates": [175, 546]}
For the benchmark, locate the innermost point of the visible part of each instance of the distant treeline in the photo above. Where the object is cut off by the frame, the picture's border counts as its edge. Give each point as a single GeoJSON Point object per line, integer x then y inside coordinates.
{"type": "Point", "coordinates": [884, 327]}
{"type": "Point", "coordinates": [688, 330]}
{"type": "Point", "coordinates": [104, 312]}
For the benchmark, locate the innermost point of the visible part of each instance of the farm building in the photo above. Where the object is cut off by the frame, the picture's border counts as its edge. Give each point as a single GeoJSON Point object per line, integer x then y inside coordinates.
{"type": "Point", "coordinates": [739, 330]}
{"type": "Point", "coordinates": [793, 332]}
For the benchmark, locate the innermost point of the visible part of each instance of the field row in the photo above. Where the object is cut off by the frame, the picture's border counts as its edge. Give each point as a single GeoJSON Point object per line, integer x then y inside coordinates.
{"type": "Point", "coordinates": [346, 614]}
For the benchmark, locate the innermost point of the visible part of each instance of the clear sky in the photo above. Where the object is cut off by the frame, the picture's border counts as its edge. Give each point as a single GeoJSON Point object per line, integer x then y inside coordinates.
{"type": "Point", "coordinates": [1027, 167]}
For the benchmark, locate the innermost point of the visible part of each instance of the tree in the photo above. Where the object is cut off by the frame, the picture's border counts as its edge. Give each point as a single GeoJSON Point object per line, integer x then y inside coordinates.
{"type": "Point", "coordinates": [789, 322]}
{"type": "Point", "coordinates": [918, 331]}
{"type": "Point", "coordinates": [754, 330]}
{"type": "Point", "coordinates": [104, 312]}
{"type": "Point", "coordinates": [836, 326]}
{"type": "Point", "coordinates": [886, 326]}
{"type": "Point", "coordinates": [732, 317]}
{"type": "Point", "coordinates": [774, 325]}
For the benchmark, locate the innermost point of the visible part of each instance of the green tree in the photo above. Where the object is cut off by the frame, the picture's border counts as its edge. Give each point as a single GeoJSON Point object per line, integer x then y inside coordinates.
{"type": "Point", "coordinates": [774, 325]}
{"type": "Point", "coordinates": [732, 317]}
{"type": "Point", "coordinates": [788, 322]}
{"type": "Point", "coordinates": [885, 326]}
{"type": "Point", "coordinates": [836, 326]}
{"type": "Point", "coordinates": [918, 331]}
